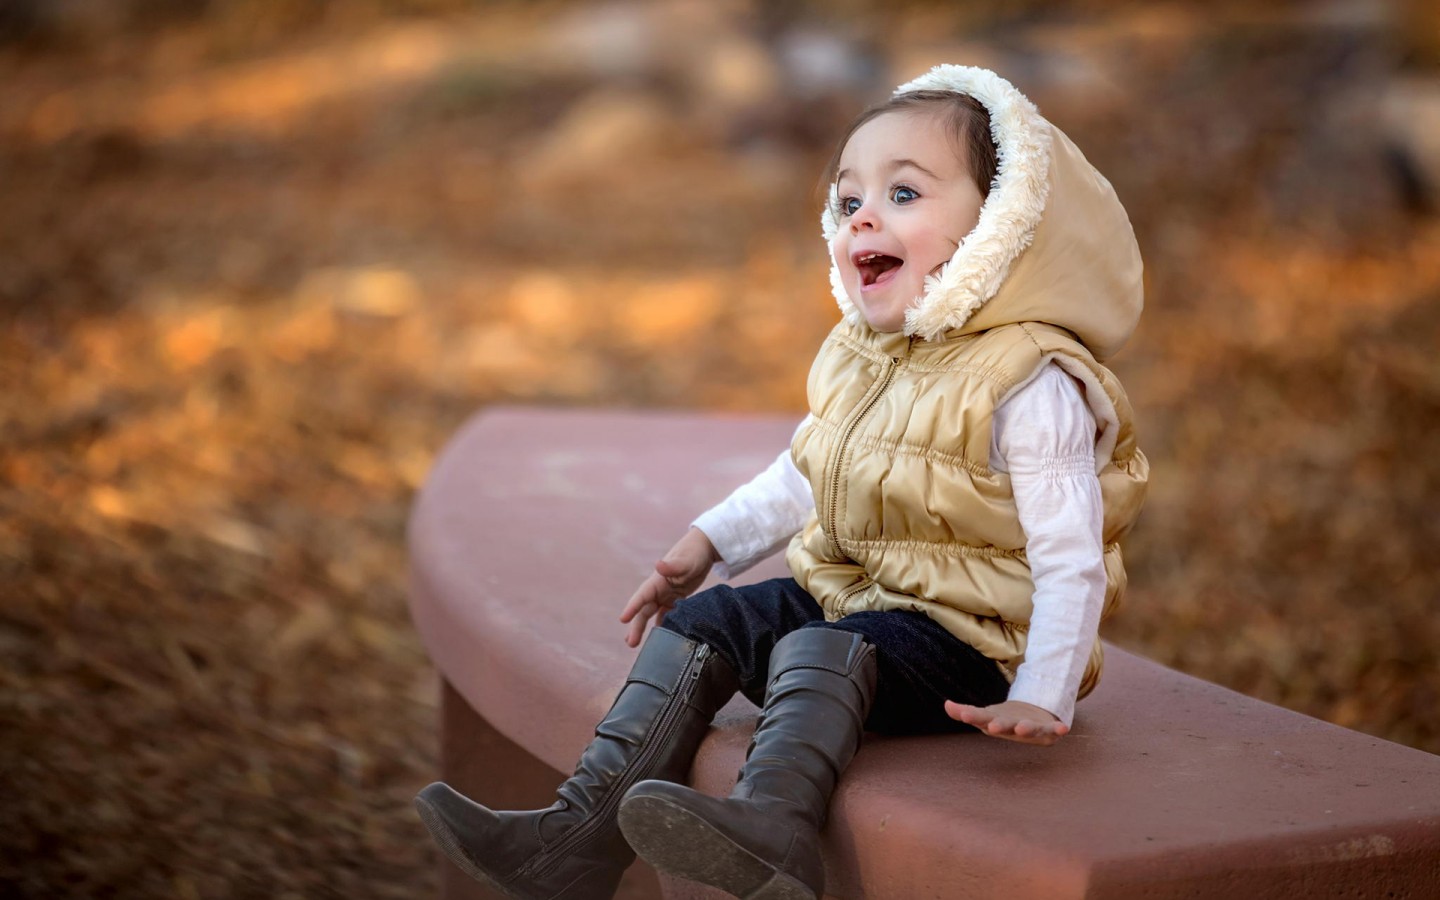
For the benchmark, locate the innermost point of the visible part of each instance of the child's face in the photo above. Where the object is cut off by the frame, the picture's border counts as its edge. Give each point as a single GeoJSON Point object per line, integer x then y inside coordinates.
{"type": "Point", "coordinates": [906, 200]}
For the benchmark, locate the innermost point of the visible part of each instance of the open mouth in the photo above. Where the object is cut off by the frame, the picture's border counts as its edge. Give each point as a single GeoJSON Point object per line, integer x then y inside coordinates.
{"type": "Point", "coordinates": [875, 268]}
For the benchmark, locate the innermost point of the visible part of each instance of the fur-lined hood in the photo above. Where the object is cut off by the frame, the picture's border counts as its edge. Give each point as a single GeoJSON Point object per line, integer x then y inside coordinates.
{"type": "Point", "coordinates": [1053, 244]}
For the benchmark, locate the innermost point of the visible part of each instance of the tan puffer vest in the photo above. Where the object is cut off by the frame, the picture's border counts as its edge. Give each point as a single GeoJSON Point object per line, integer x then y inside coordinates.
{"type": "Point", "coordinates": [909, 514]}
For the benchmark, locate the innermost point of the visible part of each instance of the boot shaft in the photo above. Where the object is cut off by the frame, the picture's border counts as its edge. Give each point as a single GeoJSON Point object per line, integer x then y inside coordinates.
{"type": "Point", "coordinates": [652, 729]}
{"type": "Point", "coordinates": [822, 682]}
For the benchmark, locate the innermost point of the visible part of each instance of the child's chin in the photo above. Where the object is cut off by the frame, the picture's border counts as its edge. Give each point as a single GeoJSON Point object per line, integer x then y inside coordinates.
{"type": "Point", "coordinates": [883, 320]}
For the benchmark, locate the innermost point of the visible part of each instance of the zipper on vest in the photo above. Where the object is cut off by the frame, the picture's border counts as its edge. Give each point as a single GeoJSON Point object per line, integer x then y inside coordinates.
{"type": "Point", "coordinates": [843, 598]}
{"type": "Point", "coordinates": [604, 812]}
{"type": "Point", "coordinates": [865, 408]}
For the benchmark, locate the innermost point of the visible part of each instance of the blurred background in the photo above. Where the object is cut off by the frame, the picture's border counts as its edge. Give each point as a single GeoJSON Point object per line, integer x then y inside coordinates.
{"type": "Point", "coordinates": [260, 258]}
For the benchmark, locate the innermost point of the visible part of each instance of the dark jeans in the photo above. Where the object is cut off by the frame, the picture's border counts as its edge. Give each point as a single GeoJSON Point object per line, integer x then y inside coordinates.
{"type": "Point", "coordinates": [919, 664]}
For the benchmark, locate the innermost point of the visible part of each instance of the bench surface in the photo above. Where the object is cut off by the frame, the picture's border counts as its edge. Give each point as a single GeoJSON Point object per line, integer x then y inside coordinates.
{"type": "Point", "coordinates": [536, 525]}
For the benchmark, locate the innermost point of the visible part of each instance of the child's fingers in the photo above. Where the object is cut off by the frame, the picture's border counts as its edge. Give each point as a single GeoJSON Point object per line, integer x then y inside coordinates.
{"type": "Point", "coordinates": [1007, 727]}
{"type": "Point", "coordinates": [1000, 725]}
{"type": "Point", "coordinates": [970, 715]}
{"type": "Point", "coordinates": [633, 607]}
{"type": "Point", "coordinates": [955, 710]}
{"type": "Point", "coordinates": [636, 631]}
{"type": "Point", "coordinates": [1026, 728]}
{"type": "Point", "coordinates": [682, 574]}
{"type": "Point", "coordinates": [1041, 733]}
{"type": "Point", "coordinates": [636, 601]}
{"type": "Point", "coordinates": [652, 590]}
{"type": "Point", "coordinates": [1048, 730]}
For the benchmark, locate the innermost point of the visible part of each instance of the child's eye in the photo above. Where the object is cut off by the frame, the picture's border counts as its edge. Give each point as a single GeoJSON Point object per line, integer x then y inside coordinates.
{"type": "Point", "coordinates": [904, 194]}
{"type": "Point", "coordinates": [847, 205]}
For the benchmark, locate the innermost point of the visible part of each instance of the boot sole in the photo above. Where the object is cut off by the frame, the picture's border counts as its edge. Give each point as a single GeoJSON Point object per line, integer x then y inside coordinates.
{"type": "Point", "coordinates": [678, 842]}
{"type": "Point", "coordinates": [443, 836]}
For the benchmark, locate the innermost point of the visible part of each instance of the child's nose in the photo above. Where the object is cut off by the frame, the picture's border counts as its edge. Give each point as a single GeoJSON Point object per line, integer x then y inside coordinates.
{"type": "Point", "coordinates": [864, 218]}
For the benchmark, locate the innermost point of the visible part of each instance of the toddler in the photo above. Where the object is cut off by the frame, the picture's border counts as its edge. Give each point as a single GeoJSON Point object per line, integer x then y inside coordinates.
{"type": "Point", "coordinates": [952, 506]}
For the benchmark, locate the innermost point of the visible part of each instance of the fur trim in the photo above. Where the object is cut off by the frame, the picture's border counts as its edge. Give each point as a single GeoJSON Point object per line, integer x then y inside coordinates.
{"type": "Point", "coordinates": [1007, 219]}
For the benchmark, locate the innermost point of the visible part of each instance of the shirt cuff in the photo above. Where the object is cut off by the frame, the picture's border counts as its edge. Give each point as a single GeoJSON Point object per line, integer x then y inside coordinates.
{"type": "Point", "coordinates": [1054, 696]}
{"type": "Point", "coordinates": [735, 557]}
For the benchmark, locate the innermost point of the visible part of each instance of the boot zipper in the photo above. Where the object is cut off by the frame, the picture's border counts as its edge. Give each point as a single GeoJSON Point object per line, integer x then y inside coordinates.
{"type": "Point", "coordinates": [865, 409]}
{"type": "Point", "coordinates": [549, 858]}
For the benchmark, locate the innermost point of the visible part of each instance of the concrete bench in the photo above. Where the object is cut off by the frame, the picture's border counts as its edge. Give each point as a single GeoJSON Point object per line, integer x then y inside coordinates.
{"type": "Point", "coordinates": [535, 526]}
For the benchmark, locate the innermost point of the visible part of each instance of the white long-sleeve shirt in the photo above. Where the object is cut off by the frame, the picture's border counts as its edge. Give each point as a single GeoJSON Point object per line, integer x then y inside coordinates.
{"type": "Point", "coordinates": [1044, 437]}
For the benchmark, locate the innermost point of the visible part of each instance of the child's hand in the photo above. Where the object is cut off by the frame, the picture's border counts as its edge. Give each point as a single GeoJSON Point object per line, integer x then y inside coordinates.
{"type": "Point", "coordinates": [682, 570]}
{"type": "Point", "coordinates": [1012, 720]}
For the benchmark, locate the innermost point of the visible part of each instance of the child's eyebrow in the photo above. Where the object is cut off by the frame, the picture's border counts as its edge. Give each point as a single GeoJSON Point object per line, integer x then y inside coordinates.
{"type": "Point", "coordinates": [891, 167]}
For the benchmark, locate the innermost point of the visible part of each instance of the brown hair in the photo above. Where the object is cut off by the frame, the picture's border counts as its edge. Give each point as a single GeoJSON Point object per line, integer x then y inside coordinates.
{"type": "Point", "coordinates": [969, 123]}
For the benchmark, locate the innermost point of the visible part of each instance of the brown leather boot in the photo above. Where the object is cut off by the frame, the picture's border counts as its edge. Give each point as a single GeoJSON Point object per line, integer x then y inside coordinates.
{"type": "Point", "coordinates": [573, 849]}
{"type": "Point", "coordinates": [763, 842]}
